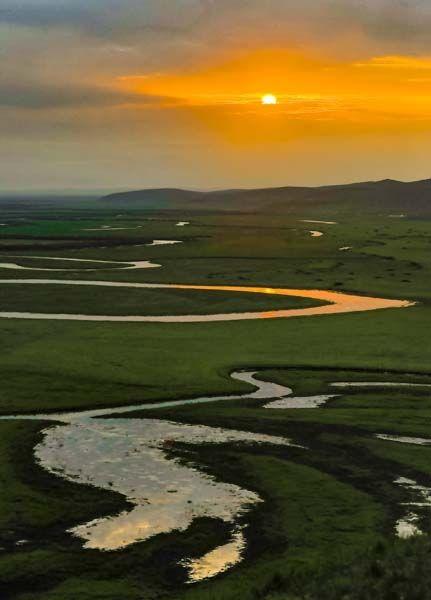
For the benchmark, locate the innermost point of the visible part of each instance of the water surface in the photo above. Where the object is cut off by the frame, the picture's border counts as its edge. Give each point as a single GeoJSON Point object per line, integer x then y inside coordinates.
{"type": "Point", "coordinates": [337, 303]}
{"type": "Point", "coordinates": [134, 458]}
{"type": "Point", "coordinates": [139, 264]}
{"type": "Point", "coordinates": [317, 221]}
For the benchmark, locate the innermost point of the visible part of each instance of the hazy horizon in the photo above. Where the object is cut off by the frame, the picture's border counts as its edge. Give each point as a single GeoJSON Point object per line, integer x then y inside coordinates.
{"type": "Point", "coordinates": [122, 95]}
{"type": "Point", "coordinates": [71, 192]}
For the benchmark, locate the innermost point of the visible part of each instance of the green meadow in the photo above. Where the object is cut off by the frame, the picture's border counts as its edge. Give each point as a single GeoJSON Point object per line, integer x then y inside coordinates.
{"type": "Point", "coordinates": [326, 528]}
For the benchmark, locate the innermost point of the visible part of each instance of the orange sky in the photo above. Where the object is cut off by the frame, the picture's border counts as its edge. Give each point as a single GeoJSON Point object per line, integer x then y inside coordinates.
{"type": "Point", "coordinates": [379, 94]}
{"type": "Point", "coordinates": [169, 93]}
{"type": "Point", "coordinates": [336, 120]}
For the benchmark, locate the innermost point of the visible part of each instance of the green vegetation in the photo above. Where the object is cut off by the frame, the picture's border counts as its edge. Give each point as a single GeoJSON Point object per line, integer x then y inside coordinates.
{"type": "Point", "coordinates": [106, 301]}
{"type": "Point", "coordinates": [328, 517]}
{"type": "Point", "coordinates": [326, 528]}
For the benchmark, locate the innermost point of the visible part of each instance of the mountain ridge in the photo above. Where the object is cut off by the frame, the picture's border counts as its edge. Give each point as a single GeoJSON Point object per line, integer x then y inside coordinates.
{"type": "Point", "coordinates": [386, 194]}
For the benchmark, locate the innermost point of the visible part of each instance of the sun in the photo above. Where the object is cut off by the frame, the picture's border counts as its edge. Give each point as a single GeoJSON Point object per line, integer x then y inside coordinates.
{"type": "Point", "coordinates": [269, 99]}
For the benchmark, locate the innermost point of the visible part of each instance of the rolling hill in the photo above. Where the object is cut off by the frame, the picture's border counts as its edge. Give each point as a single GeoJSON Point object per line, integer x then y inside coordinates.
{"type": "Point", "coordinates": [413, 198]}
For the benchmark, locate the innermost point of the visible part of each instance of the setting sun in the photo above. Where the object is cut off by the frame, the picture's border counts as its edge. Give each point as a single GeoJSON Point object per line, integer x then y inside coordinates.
{"type": "Point", "coordinates": [269, 99]}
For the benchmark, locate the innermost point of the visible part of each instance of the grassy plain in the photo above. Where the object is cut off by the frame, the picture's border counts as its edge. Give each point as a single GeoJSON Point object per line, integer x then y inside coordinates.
{"type": "Point", "coordinates": [104, 301]}
{"type": "Point", "coordinates": [326, 528]}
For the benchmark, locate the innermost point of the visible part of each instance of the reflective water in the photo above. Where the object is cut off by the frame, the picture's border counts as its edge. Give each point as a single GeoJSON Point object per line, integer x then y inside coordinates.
{"type": "Point", "coordinates": [131, 456]}
{"type": "Point", "coordinates": [407, 526]}
{"type": "Point", "coordinates": [108, 228]}
{"type": "Point", "coordinates": [420, 499]}
{"type": "Point", "coordinates": [317, 221]}
{"type": "Point", "coordinates": [300, 402]}
{"type": "Point", "coordinates": [338, 303]}
{"type": "Point", "coordinates": [140, 264]}
{"type": "Point", "coordinates": [164, 242]}
{"type": "Point", "coordinates": [134, 458]}
{"type": "Point", "coordinates": [404, 439]}
{"type": "Point", "coordinates": [217, 561]}
{"type": "Point", "coordinates": [378, 384]}
{"type": "Point", "coordinates": [264, 390]}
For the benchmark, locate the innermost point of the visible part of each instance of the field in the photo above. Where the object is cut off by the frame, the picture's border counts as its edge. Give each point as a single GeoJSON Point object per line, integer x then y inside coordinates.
{"type": "Point", "coordinates": [327, 526]}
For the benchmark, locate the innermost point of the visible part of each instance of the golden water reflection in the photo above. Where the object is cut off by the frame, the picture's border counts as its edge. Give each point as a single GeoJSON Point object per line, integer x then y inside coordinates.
{"type": "Point", "coordinates": [336, 303]}
{"type": "Point", "coordinates": [217, 561]}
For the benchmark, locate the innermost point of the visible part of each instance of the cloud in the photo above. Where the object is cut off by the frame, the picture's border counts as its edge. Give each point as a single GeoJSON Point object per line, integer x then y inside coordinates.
{"type": "Point", "coordinates": [412, 63]}
{"type": "Point", "coordinates": [44, 14]}
{"type": "Point", "coordinates": [36, 95]}
{"type": "Point", "coordinates": [108, 18]}
{"type": "Point", "coordinates": [84, 39]}
{"type": "Point", "coordinates": [381, 19]}
{"type": "Point", "coordinates": [388, 21]}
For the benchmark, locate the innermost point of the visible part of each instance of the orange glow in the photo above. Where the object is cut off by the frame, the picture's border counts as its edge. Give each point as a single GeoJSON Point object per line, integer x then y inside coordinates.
{"type": "Point", "coordinates": [316, 95]}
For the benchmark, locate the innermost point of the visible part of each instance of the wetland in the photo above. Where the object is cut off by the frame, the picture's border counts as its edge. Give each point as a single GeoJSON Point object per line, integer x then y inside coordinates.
{"type": "Point", "coordinates": [172, 432]}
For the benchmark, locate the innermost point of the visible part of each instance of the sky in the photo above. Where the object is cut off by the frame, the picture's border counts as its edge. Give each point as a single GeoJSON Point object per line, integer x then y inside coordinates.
{"type": "Point", "coordinates": [127, 94]}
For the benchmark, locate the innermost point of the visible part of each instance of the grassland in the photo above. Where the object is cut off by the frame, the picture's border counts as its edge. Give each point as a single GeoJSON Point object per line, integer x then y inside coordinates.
{"type": "Point", "coordinates": [326, 528]}
{"type": "Point", "coordinates": [100, 301]}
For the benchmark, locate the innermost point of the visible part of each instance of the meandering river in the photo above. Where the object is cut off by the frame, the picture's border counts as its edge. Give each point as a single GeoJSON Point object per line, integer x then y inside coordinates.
{"type": "Point", "coordinates": [337, 303]}
{"type": "Point", "coordinates": [138, 264]}
{"type": "Point", "coordinates": [133, 456]}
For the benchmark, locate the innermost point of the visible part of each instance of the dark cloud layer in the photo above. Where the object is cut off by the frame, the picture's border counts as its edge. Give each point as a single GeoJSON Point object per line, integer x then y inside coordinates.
{"type": "Point", "coordinates": [45, 15]}
{"type": "Point", "coordinates": [108, 18]}
{"type": "Point", "coordinates": [399, 19]}
{"type": "Point", "coordinates": [35, 95]}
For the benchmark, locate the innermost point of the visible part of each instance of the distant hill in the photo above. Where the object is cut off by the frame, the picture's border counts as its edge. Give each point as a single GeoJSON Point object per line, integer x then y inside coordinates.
{"type": "Point", "coordinates": [413, 198]}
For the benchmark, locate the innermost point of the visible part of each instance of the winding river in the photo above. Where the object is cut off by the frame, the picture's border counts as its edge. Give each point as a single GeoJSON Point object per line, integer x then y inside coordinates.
{"type": "Point", "coordinates": [133, 456]}
{"type": "Point", "coordinates": [337, 303]}
{"type": "Point", "coordinates": [139, 264]}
